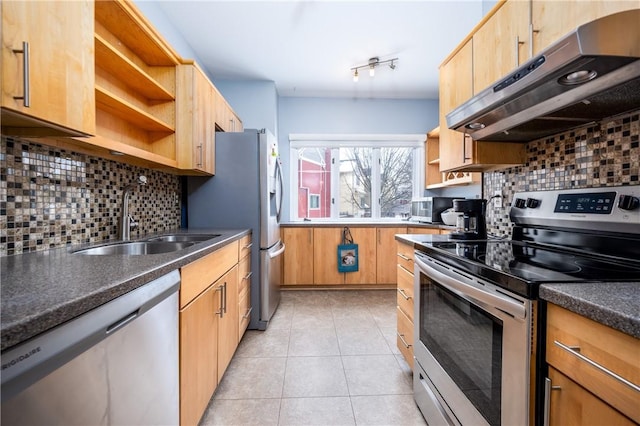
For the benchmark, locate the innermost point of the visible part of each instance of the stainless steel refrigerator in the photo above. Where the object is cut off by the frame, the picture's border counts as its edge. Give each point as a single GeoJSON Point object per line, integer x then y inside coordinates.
{"type": "Point", "coordinates": [246, 192]}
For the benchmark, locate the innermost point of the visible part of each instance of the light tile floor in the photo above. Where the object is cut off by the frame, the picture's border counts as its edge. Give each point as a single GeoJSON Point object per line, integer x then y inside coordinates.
{"type": "Point", "coordinates": [327, 358]}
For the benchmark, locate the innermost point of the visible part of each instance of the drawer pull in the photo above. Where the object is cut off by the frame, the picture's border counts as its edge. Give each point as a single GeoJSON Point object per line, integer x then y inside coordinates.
{"type": "Point", "coordinates": [404, 342]}
{"type": "Point", "coordinates": [406, 297]}
{"type": "Point", "coordinates": [246, 277]}
{"type": "Point", "coordinates": [248, 246]}
{"type": "Point", "coordinates": [576, 352]}
{"type": "Point", "coordinates": [402, 256]}
{"type": "Point", "coordinates": [245, 316]}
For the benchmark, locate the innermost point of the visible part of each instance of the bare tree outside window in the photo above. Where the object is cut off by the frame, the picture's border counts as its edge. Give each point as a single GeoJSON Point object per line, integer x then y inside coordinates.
{"type": "Point", "coordinates": [396, 187]}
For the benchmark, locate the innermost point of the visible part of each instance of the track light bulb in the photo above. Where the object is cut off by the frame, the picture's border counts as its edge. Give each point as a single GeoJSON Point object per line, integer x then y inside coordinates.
{"type": "Point", "coordinates": [355, 76]}
{"type": "Point", "coordinates": [372, 71]}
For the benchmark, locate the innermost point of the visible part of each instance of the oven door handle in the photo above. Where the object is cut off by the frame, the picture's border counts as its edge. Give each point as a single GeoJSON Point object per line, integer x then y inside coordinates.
{"type": "Point", "coordinates": [463, 287]}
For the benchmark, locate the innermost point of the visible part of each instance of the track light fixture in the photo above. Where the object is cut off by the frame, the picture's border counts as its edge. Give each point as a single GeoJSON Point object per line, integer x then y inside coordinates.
{"type": "Point", "coordinates": [372, 64]}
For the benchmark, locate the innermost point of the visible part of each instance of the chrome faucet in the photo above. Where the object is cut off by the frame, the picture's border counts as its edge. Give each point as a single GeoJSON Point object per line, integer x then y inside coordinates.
{"type": "Point", "coordinates": [126, 222]}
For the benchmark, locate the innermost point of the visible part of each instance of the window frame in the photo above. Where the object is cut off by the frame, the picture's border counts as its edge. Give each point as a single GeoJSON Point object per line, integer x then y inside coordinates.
{"type": "Point", "coordinates": [334, 142]}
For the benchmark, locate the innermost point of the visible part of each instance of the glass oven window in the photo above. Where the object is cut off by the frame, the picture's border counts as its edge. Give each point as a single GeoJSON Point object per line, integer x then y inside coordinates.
{"type": "Point", "coordinates": [467, 342]}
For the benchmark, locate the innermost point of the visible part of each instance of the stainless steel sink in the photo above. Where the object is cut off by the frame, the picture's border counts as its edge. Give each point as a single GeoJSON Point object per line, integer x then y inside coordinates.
{"type": "Point", "coordinates": [137, 248]}
{"type": "Point", "coordinates": [184, 237]}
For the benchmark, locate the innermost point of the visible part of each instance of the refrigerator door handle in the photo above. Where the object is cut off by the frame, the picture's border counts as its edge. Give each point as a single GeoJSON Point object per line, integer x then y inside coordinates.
{"type": "Point", "coordinates": [280, 193]}
{"type": "Point", "coordinates": [278, 252]}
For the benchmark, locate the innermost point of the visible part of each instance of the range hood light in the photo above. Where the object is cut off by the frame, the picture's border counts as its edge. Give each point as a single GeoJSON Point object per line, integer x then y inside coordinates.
{"type": "Point", "coordinates": [475, 126]}
{"type": "Point", "coordinates": [577, 77]}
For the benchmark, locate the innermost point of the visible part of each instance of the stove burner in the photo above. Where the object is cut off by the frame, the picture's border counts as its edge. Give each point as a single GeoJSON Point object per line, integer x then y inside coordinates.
{"type": "Point", "coordinates": [589, 264]}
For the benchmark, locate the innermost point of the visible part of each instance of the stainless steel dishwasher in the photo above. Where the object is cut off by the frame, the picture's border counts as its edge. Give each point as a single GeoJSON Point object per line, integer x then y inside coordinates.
{"type": "Point", "coordinates": [114, 365]}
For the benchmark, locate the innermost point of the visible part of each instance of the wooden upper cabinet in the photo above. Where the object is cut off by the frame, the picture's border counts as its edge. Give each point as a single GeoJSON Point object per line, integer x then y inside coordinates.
{"type": "Point", "coordinates": [60, 74]}
{"type": "Point", "coordinates": [226, 119]}
{"type": "Point", "coordinates": [195, 121]}
{"type": "Point", "coordinates": [553, 19]}
{"type": "Point", "coordinates": [456, 87]}
{"type": "Point", "coordinates": [501, 44]}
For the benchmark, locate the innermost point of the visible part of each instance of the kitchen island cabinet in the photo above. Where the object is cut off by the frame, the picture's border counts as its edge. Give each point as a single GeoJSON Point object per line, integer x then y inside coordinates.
{"type": "Point", "coordinates": [54, 94]}
{"type": "Point", "coordinates": [589, 364]}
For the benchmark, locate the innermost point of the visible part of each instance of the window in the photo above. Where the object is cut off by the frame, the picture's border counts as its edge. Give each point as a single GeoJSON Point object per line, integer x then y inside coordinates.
{"type": "Point", "coordinates": [341, 177]}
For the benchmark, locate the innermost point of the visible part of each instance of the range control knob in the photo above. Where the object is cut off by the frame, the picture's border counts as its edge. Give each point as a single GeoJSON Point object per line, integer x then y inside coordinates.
{"type": "Point", "coordinates": [520, 203]}
{"type": "Point", "coordinates": [532, 203]}
{"type": "Point", "coordinates": [628, 202]}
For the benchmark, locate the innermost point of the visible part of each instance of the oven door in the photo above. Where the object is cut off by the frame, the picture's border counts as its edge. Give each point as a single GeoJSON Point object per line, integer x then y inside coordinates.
{"type": "Point", "coordinates": [472, 350]}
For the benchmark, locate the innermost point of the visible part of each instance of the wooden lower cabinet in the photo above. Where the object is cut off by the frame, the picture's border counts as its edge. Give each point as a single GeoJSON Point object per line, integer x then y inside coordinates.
{"type": "Point", "coordinates": [244, 285]}
{"type": "Point", "coordinates": [571, 404]}
{"type": "Point", "coordinates": [298, 256]}
{"type": "Point", "coordinates": [325, 256]}
{"type": "Point", "coordinates": [366, 240]}
{"type": "Point", "coordinates": [209, 327]}
{"type": "Point", "coordinates": [198, 355]}
{"type": "Point", "coordinates": [228, 322]}
{"type": "Point", "coordinates": [405, 300]}
{"type": "Point", "coordinates": [386, 254]}
{"type": "Point", "coordinates": [579, 352]}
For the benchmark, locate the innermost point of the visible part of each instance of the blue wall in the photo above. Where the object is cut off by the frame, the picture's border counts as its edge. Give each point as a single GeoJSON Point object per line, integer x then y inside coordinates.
{"type": "Point", "coordinates": [350, 116]}
{"type": "Point", "coordinates": [256, 102]}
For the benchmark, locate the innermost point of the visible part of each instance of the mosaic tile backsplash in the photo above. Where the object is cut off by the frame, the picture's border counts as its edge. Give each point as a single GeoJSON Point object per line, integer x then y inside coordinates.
{"type": "Point", "coordinates": [52, 198]}
{"type": "Point", "coordinates": [604, 154]}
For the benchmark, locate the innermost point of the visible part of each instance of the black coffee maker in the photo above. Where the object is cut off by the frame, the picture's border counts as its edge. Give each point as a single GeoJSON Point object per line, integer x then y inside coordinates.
{"type": "Point", "coordinates": [472, 225]}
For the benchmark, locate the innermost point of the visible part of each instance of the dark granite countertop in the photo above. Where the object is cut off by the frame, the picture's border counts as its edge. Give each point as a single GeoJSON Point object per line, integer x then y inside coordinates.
{"type": "Point", "coordinates": [41, 290]}
{"type": "Point", "coordinates": [616, 305]}
{"type": "Point", "coordinates": [366, 223]}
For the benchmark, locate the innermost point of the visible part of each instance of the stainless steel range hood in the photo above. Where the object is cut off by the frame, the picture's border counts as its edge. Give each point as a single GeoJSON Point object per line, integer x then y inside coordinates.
{"type": "Point", "coordinates": [547, 95]}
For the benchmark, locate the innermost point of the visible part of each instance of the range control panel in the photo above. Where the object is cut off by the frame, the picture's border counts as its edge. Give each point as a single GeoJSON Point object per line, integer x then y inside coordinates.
{"type": "Point", "coordinates": [614, 209]}
{"type": "Point", "coordinates": [595, 202]}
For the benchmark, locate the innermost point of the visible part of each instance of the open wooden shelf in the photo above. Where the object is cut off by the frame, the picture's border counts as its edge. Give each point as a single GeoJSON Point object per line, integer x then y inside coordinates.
{"type": "Point", "coordinates": [119, 107]}
{"type": "Point", "coordinates": [125, 70]}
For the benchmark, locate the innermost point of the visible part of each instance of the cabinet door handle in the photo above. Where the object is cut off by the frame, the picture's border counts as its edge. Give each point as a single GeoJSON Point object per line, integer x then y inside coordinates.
{"type": "Point", "coordinates": [464, 148]}
{"type": "Point", "coordinates": [575, 351]}
{"type": "Point", "coordinates": [517, 55]}
{"type": "Point", "coordinates": [221, 310]}
{"type": "Point", "coordinates": [547, 399]}
{"type": "Point", "coordinates": [404, 342]}
{"type": "Point", "coordinates": [402, 256]}
{"type": "Point", "coordinates": [405, 295]}
{"type": "Point", "coordinates": [26, 97]}
{"type": "Point", "coordinates": [224, 289]}
{"type": "Point", "coordinates": [531, 33]}
{"type": "Point", "coordinates": [199, 164]}
{"type": "Point", "coordinates": [248, 314]}
{"type": "Point", "coordinates": [246, 277]}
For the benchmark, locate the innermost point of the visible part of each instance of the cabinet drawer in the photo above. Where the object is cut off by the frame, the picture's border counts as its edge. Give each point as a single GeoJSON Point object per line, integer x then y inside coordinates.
{"type": "Point", "coordinates": [244, 248]}
{"type": "Point", "coordinates": [405, 291]}
{"type": "Point", "coordinates": [200, 274]}
{"type": "Point", "coordinates": [405, 337]}
{"type": "Point", "coordinates": [405, 256]}
{"type": "Point", "coordinates": [571, 404]}
{"type": "Point", "coordinates": [591, 354]}
{"type": "Point", "coordinates": [244, 310]}
{"type": "Point", "coordinates": [244, 271]}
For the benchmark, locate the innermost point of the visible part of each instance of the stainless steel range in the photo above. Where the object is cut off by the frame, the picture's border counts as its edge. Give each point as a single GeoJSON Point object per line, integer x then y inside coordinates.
{"type": "Point", "coordinates": [477, 317]}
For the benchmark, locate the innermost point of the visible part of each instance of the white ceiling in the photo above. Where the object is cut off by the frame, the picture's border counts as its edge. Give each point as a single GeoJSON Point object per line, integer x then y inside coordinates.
{"type": "Point", "coordinates": [308, 47]}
